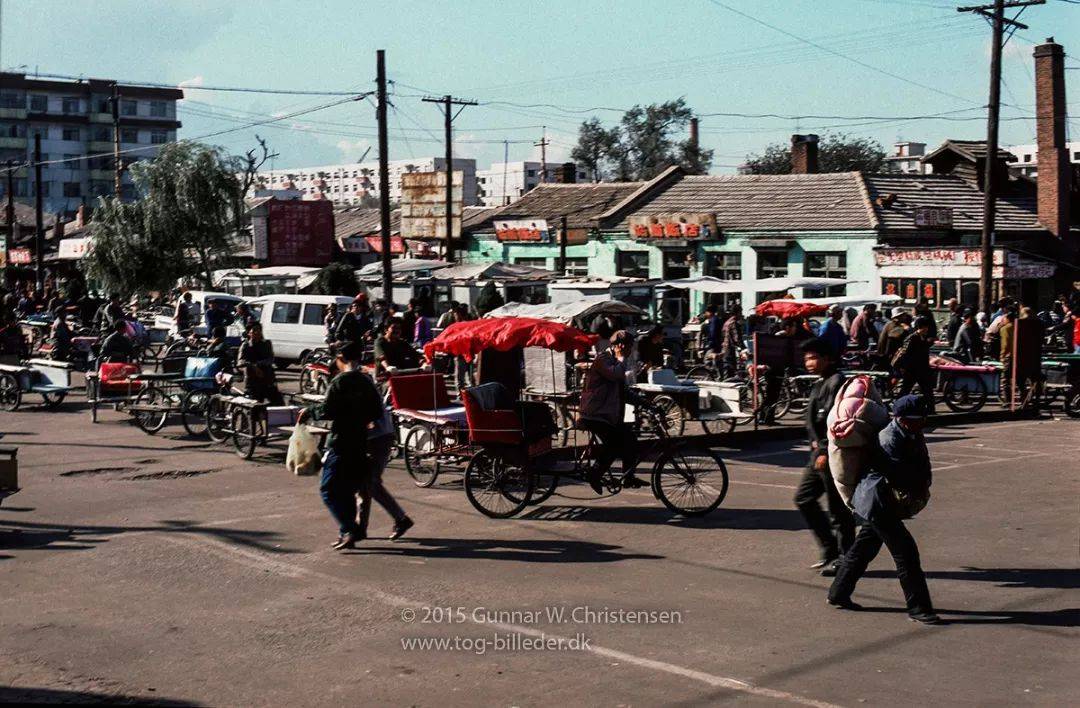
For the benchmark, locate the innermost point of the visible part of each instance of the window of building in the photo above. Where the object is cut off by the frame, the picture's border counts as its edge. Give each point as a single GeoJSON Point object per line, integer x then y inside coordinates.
{"type": "Point", "coordinates": [70, 104]}
{"type": "Point", "coordinates": [129, 135]}
{"type": "Point", "coordinates": [285, 313]}
{"type": "Point", "coordinates": [826, 265]}
{"type": "Point", "coordinates": [159, 137]}
{"type": "Point", "coordinates": [725, 266]}
{"type": "Point", "coordinates": [100, 163]}
{"type": "Point", "coordinates": [677, 264]}
{"type": "Point", "coordinates": [72, 161]}
{"type": "Point", "coordinates": [104, 105]}
{"type": "Point", "coordinates": [314, 314]}
{"type": "Point", "coordinates": [1027, 158]}
{"type": "Point", "coordinates": [71, 132]}
{"type": "Point", "coordinates": [12, 99]}
{"type": "Point", "coordinates": [13, 130]}
{"type": "Point", "coordinates": [39, 103]}
{"type": "Point", "coordinates": [72, 189]}
{"type": "Point", "coordinates": [1076, 155]}
{"type": "Point", "coordinates": [158, 109]}
{"type": "Point", "coordinates": [102, 134]}
{"type": "Point", "coordinates": [531, 262]}
{"type": "Point", "coordinates": [632, 264]}
{"type": "Point", "coordinates": [530, 173]}
{"type": "Point", "coordinates": [577, 267]}
{"type": "Point", "coordinates": [772, 264]}
{"type": "Point", "coordinates": [129, 108]}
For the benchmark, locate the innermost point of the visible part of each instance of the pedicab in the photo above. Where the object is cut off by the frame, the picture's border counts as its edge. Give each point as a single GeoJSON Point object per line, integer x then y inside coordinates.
{"type": "Point", "coordinates": [430, 426]}
{"type": "Point", "coordinates": [183, 387]}
{"type": "Point", "coordinates": [45, 377]}
{"type": "Point", "coordinates": [514, 465]}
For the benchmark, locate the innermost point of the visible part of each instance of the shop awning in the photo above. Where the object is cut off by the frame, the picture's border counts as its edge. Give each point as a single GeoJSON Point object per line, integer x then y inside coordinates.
{"type": "Point", "coordinates": [566, 312]}
{"type": "Point", "coordinates": [401, 266]}
{"type": "Point", "coordinates": [706, 284]}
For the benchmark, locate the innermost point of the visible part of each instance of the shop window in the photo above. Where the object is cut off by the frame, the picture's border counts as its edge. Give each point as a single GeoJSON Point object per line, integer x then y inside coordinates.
{"type": "Point", "coordinates": [531, 262]}
{"type": "Point", "coordinates": [909, 290]}
{"type": "Point", "coordinates": [576, 267]}
{"type": "Point", "coordinates": [725, 266]}
{"type": "Point", "coordinates": [946, 291]}
{"type": "Point", "coordinates": [772, 264]}
{"type": "Point", "coordinates": [632, 264]}
{"type": "Point", "coordinates": [890, 286]}
{"type": "Point", "coordinates": [677, 264]}
{"type": "Point", "coordinates": [928, 291]}
{"type": "Point", "coordinates": [969, 293]}
{"type": "Point", "coordinates": [826, 265]}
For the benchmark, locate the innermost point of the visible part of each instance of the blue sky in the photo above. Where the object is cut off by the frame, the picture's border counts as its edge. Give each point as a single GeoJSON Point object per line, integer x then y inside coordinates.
{"type": "Point", "coordinates": [573, 54]}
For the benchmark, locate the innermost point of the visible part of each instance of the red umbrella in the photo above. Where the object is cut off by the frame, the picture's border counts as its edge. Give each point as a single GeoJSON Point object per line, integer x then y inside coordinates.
{"type": "Point", "coordinates": [502, 334]}
{"type": "Point", "coordinates": [790, 308]}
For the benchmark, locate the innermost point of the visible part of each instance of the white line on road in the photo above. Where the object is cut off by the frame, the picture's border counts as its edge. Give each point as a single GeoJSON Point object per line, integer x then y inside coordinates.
{"type": "Point", "coordinates": [264, 561]}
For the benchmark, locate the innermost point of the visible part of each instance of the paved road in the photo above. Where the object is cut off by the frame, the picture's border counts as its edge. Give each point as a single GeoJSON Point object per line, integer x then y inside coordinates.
{"type": "Point", "coordinates": [163, 569]}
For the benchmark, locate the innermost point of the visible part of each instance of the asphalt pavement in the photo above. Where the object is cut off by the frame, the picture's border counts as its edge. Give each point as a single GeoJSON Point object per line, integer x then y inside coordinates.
{"type": "Point", "coordinates": [163, 569]}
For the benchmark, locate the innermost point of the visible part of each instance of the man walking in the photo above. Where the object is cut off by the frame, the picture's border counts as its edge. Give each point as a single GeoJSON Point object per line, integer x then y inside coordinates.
{"type": "Point", "coordinates": [912, 361]}
{"type": "Point", "coordinates": [820, 360]}
{"type": "Point", "coordinates": [896, 487]}
{"type": "Point", "coordinates": [862, 328]}
{"type": "Point", "coordinates": [352, 404]}
{"type": "Point", "coordinates": [731, 341]}
{"type": "Point", "coordinates": [833, 332]}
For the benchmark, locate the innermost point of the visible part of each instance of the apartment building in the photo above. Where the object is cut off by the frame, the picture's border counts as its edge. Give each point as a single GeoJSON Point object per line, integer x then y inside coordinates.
{"type": "Point", "coordinates": [504, 183]}
{"type": "Point", "coordinates": [1027, 157]}
{"type": "Point", "coordinates": [75, 122]}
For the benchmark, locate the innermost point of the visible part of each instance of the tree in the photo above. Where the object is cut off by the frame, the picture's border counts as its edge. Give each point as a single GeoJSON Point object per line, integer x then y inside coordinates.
{"type": "Point", "coordinates": [186, 221]}
{"type": "Point", "coordinates": [642, 145]}
{"type": "Point", "coordinates": [838, 152]}
{"type": "Point", "coordinates": [335, 279]}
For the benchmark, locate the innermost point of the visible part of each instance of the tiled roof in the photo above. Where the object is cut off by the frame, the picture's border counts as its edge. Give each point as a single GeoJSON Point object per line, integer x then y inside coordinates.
{"type": "Point", "coordinates": [580, 203]}
{"type": "Point", "coordinates": [25, 216]}
{"type": "Point", "coordinates": [1015, 211]}
{"type": "Point", "coordinates": [362, 221]}
{"type": "Point", "coordinates": [765, 202]}
{"type": "Point", "coordinates": [970, 149]}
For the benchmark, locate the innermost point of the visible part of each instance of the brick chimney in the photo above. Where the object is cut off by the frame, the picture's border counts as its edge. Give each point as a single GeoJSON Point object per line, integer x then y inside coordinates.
{"type": "Point", "coordinates": [804, 154]}
{"type": "Point", "coordinates": [1055, 172]}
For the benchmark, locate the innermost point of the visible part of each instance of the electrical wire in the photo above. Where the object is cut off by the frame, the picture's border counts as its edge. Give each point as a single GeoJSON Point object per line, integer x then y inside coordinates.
{"type": "Point", "coordinates": [191, 87]}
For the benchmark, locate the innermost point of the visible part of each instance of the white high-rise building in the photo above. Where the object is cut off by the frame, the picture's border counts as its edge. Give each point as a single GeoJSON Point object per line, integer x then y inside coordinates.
{"type": "Point", "coordinates": [506, 182]}
{"type": "Point", "coordinates": [350, 183]}
{"type": "Point", "coordinates": [75, 122]}
{"type": "Point", "coordinates": [1027, 157]}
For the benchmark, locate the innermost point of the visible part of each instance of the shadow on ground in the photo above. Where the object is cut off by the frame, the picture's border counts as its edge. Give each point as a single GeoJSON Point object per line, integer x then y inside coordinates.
{"type": "Point", "coordinates": [721, 518]}
{"type": "Point", "coordinates": [55, 697]}
{"type": "Point", "coordinates": [1054, 578]}
{"type": "Point", "coordinates": [527, 551]}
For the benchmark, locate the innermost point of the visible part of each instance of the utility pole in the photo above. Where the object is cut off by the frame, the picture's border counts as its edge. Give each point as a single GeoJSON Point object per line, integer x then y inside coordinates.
{"type": "Point", "coordinates": [996, 14]}
{"type": "Point", "coordinates": [10, 236]}
{"type": "Point", "coordinates": [542, 144]}
{"type": "Point", "coordinates": [118, 166]}
{"type": "Point", "coordinates": [563, 235]}
{"type": "Point", "coordinates": [384, 178]}
{"type": "Point", "coordinates": [506, 157]}
{"type": "Point", "coordinates": [39, 218]}
{"type": "Point", "coordinates": [449, 102]}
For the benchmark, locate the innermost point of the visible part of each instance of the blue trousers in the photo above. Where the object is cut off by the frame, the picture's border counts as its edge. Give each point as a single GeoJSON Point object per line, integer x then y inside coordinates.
{"type": "Point", "coordinates": [342, 476]}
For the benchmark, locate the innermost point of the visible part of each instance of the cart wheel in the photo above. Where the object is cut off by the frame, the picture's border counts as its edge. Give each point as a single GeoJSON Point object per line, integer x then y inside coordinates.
{"type": "Point", "coordinates": [217, 420]}
{"type": "Point", "coordinates": [421, 462]}
{"type": "Point", "coordinates": [10, 393]}
{"type": "Point", "coordinates": [544, 486]}
{"type": "Point", "coordinates": [179, 348]}
{"type": "Point", "coordinates": [783, 404]}
{"type": "Point", "coordinates": [245, 435]}
{"type": "Point", "coordinates": [746, 404]}
{"type": "Point", "coordinates": [193, 412]}
{"type": "Point", "coordinates": [495, 487]}
{"type": "Point", "coordinates": [690, 481]}
{"type": "Point", "coordinates": [702, 373]}
{"type": "Point", "coordinates": [1072, 403]}
{"type": "Point", "coordinates": [151, 422]}
{"type": "Point", "coordinates": [965, 401]}
{"type": "Point", "coordinates": [53, 400]}
{"type": "Point", "coordinates": [718, 427]}
{"type": "Point", "coordinates": [671, 415]}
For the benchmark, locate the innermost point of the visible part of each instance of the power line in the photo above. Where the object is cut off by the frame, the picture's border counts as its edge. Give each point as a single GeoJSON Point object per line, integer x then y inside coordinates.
{"type": "Point", "coordinates": [238, 89]}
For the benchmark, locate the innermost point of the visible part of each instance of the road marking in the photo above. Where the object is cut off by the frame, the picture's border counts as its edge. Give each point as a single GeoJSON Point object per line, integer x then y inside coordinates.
{"type": "Point", "coordinates": [763, 484]}
{"type": "Point", "coordinates": [263, 561]}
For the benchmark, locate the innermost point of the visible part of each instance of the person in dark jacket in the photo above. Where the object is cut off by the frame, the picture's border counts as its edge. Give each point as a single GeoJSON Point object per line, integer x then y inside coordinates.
{"type": "Point", "coordinates": [117, 347]}
{"type": "Point", "coordinates": [821, 360]}
{"type": "Point", "coordinates": [912, 361]}
{"type": "Point", "coordinates": [892, 336]}
{"type": "Point", "coordinates": [903, 461]}
{"type": "Point", "coordinates": [216, 315]}
{"type": "Point", "coordinates": [352, 406]}
{"type": "Point", "coordinates": [184, 314]}
{"type": "Point", "coordinates": [355, 324]}
{"type": "Point", "coordinates": [650, 352]}
{"type": "Point", "coordinates": [731, 341]}
{"type": "Point", "coordinates": [968, 342]}
{"type": "Point", "coordinates": [218, 348]}
{"type": "Point", "coordinates": [60, 337]}
{"type": "Point", "coordinates": [602, 410]}
{"type": "Point", "coordinates": [956, 319]}
{"type": "Point", "coordinates": [862, 328]}
{"type": "Point", "coordinates": [256, 360]}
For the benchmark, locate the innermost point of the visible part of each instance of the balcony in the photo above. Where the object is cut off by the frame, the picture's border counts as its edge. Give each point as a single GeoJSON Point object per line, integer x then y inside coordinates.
{"type": "Point", "coordinates": [101, 117]}
{"type": "Point", "coordinates": [18, 143]}
{"type": "Point", "coordinates": [16, 113]}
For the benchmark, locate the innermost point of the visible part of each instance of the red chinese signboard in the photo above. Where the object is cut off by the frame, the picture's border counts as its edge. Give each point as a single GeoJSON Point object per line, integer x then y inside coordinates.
{"type": "Point", "coordinates": [529, 230]}
{"type": "Point", "coordinates": [298, 233]}
{"type": "Point", "coordinates": [20, 256]}
{"type": "Point", "coordinates": [673, 226]}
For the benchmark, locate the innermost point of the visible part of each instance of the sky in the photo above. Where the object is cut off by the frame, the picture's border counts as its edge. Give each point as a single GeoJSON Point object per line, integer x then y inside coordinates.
{"type": "Point", "coordinates": [540, 67]}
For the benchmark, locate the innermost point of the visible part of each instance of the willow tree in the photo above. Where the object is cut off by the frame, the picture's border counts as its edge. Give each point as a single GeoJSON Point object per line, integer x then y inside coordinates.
{"type": "Point", "coordinates": [186, 221]}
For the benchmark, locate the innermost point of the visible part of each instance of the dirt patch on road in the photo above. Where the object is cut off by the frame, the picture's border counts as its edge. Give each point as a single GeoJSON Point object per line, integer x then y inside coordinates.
{"type": "Point", "coordinates": [168, 474]}
{"type": "Point", "coordinates": [95, 471]}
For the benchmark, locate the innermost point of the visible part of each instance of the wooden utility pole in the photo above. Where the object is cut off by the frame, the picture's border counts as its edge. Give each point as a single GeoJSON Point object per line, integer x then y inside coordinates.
{"type": "Point", "coordinates": [996, 14]}
{"type": "Point", "coordinates": [564, 234]}
{"type": "Point", "coordinates": [542, 144]}
{"type": "Point", "coordinates": [10, 213]}
{"type": "Point", "coordinates": [118, 166]}
{"type": "Point", "coordinates": [39, 217]}
{"type": "Point", "coordinates": [384, 178]}
{"type": "Point", "coordinates": [448, 102]}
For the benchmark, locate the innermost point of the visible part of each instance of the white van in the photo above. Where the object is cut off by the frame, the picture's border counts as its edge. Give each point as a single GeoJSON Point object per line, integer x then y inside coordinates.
{"type": "Point", "coordinates": [294, 323]}
{"type": "Point", "coordinates": [199, 304]}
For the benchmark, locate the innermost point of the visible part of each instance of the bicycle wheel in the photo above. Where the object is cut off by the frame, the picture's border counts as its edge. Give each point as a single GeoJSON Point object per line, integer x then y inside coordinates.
{"type": "Point", "coordinates": [151, 409]}
{"type": "Point", "coordinates": [495, 487]}
{"type": "Point", "coordinates": [670, 415]}
{"type": "Point", "coordinates": [702, 373]}
{"type": "Point", "coordinates": [421, 462]}
{"type": "Point", "coordinates": [245, 434]}
{"type": "Point", "coordinates": [53, 400]}
{"type": "Point", "coordinates": [193, 411]}
{"type": "Point", "coordinates": [217, 420]}
{"type": "Point", "coordinates": [690, 481]}
{"type": "Point", "coordinates": [969, 397]}
{"type": "Point", "coordinates": [1072, 403]}
{"type": "Point", "coordinates": [544, 486]}
{"type": "Point", "coordinates": [10, 393]}
{"type": "Point", "coordinates": [783, 403]}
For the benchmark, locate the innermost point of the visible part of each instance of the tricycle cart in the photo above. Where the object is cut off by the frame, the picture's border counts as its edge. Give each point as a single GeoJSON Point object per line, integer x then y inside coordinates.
{"type": "Point", "coordinates": [430, 428]}
{"type": "Point", "coordinates": [50, 379]}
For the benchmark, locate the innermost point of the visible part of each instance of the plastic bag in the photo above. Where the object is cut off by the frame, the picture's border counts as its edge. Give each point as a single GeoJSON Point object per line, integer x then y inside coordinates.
{"type": "Point", "coordinates": [303, 455]}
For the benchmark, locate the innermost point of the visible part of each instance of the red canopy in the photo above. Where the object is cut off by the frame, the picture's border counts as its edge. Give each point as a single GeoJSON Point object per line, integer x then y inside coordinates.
{"type": "Point", "coordinates": [790, 308]}
{"type": "Point", "coordinates": [502, 334]}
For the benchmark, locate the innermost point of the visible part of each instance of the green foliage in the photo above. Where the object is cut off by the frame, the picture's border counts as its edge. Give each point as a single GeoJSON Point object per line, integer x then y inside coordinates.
{"type": "Point", "coordinates": [642, 145]}
{"type": "Point", "coordinates": [838, 152]}
{"type": "Point", "coordinates": [488, 299]}
{"type": "Point", "coordinates": [184, 223]}
{"type": "Point", "coordinates": [335, 279]}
